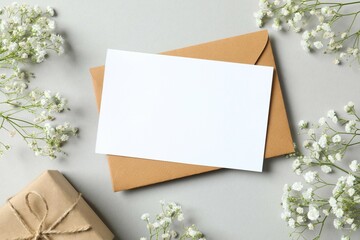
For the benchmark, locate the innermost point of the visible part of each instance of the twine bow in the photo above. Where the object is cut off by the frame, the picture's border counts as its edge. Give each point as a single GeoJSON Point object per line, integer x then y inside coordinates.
{"type": "Point", "coordinates": [40, 232]}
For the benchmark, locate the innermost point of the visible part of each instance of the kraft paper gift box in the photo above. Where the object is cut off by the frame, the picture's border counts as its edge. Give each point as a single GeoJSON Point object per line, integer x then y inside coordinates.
{"type": "Point", "coordinates": [50, 209]}
{"type": "Point", "coordinates": [253, 48]}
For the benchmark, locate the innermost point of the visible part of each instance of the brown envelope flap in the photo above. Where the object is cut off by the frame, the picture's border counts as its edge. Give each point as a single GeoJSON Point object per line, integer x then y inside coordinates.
{"type": "Point", "coordinates": [245, 48]}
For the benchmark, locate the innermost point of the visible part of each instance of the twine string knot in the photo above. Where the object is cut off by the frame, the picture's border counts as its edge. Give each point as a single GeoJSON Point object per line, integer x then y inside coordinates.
{"type": "Point", "coordinates": [41, 233]}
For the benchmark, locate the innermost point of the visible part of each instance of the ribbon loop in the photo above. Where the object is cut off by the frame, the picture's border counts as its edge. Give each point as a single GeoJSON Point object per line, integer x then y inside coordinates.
{"type": "Point", "coordinates": [40, 232]}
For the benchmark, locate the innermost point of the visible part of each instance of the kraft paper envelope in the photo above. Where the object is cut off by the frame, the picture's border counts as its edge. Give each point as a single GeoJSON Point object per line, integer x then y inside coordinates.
{"type": "Point", "coordinates": [184, 110]}
{"type": "Point", "coordinates": [253, 48]}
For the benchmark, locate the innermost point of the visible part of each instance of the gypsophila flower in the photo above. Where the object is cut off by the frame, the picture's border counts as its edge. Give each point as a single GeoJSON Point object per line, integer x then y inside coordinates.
{"type": "Point", "coordinates": [308, 204]}
{"type": "Point", "coordinates": [297, 186]}
{"type": "Point", "coordinates": [311, 132]}
{"type": "Point", "coordinates": [310, 226]}
{"type": "Point", "coordinates": [318, 45]}
{"type": "Point", "coordinates": [323, 142]}
{"type": "Point", "coordinates": [161, 226]}
{"type": "Point", "coordinates": [351, 192]}
{"type": "Point", "coordinates": [302, 124]}
{"type": "Point", "coordinates": [291, 223]}
{"type": "Point", "coordinates": [27, 36]}
{"type": "Point", "coordinates": [336, 138]}
{"type": "Point", "coordinates": [326, 212]}
{"type": "Point", "coordinates": [310, 176]}
{"type": "Point", "coordinates": [350, 126]}
{"type": "Point", "coordinates": [326, 169]}
{"type": "Point", "coordinates": [322, 121]}
{"type": "Point", "coordinates": [145, 216]}
{"type": "Point", "coordinates": [300, 210]}
{"type": "Point", "coordinates": [349, 108]}
{"type": "Point", "coordinates": [313, 213]}
{"type": "Point", "coordinates": [354, 166]}
{"type": "Point", "coordinates": [316, 20]}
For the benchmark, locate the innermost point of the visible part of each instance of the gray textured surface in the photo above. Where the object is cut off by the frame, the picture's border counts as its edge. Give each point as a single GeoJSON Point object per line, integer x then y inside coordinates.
{"type": "Point", "coordinates": [226, 204]}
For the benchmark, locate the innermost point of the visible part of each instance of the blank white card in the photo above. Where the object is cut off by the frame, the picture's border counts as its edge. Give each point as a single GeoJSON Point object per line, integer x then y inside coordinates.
{"type": "Point", "coordinates": [184, 110]}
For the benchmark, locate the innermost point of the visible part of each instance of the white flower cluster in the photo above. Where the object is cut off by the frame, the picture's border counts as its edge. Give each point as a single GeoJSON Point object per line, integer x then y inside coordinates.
{"type": "Point", "coordinates": [54, 138]}
{"type": "Point", "coordinates": [40, 136]}
{"type": "Point", "coordinates": [27, 33]}
{"type": "Point", "coordinates": [49, 103]}
{"type": "Point", "coordinates": [303, 207]}
{"type": "Point", "coordinates": [160, 228]}
{"type": "Point", "coordinates": [296, 15]}
{"type": "Point", "coordinates": [26, 36]}
{"type": "Point", "coordinates": [345, 203]}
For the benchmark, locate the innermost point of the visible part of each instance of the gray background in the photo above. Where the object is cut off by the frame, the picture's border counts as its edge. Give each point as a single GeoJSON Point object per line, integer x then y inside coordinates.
{"type": "Point", "coordinates": [226, 204]}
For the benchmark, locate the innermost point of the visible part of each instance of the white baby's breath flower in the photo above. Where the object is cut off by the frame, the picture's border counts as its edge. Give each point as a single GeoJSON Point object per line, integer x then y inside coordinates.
{"type": "Point", "coordinates": [277, 24]}
{"type": "Point", "coordinates": [306, 144]}
{"type": "Point", "coordinates": [308, 194]}
{"type": "Point", "coordinates": [349, 221]}
{"type": "Point", "coordinates": [350, 180]}
{"type": "Point", "coordinates": [307, 160]}
{"type": "Point", "coordinates": [50, 11]}
{"type": "Point", "coordinates": [310, 226]}
{"type": "Point", "coordinates": [297, 186]}
{"type": "Point", "coordinates": [322, 121]}
{"type": "Point", "coordinates": [326, 169]}
{"type": "Point", "coordinates": [338, 156]}
{"type": "Point", "coordinates": [305, 45]}
{"type": "Point", "coordinates": [145, 216]}
{"type": "Point", "coordinates": [291, 223]}
{"type": "Point", "coordinates": [321, 144]}
{"type": "Point", "coordinates": [303, 124]}
{"type": "Point", "coordinates": [336, 138]}
{"type": "Point", "coordinates": [310, 176]}
{"type": "Point", "coordinates": [318, 45]}
{"type": "Point", "coordinates": [331, 113]}
{"type": "Point", "coordinates": [259, 22]}
{"type": "Point", "coordinates": [313, 213]}
{"type": "Point", "coordinates": [335, 119]}
{"type": "Point", "coordinates": [326, 212]}
{"type": "Point", "coordinates": [300, 219]}
{"type": "Point", "coordinates": [296, 164]}
{"type": "Point", "coordinates": [354, 227]}
{"type": "Point", "coordinates": [326, 27]}
{"type": "Point", "coordinates": [339, 213]}
{"type": "Point", "coordinates": [165, 236]}
{"type": "Point", "coordinates": [350, 126]}
{"type": "Point", "coordinates": [337, 223]}
{"type": "Point", "coordinates": [299, 210]}
{"type": "Point", "coordinates": [297, 17]}
{"type": "Point", "coordinates": [286, 188]}
{"type": "Point", "coordinates": [336, 61]}
{"type": "Point", "coordinates": [311, 132]}
{"type": "Point", "coordinates": [349, 108]}
{"type": "Point", "coordinates": [306, 35]}
{"type": "Point", "coordinates": [354, 166]}
{"type": "Point", "coordinates": [323, 141]}
{"type": "Point", "coordinates": [351, 192]}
